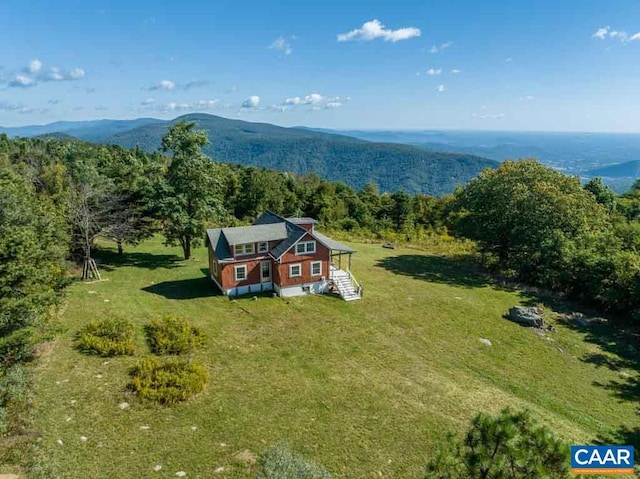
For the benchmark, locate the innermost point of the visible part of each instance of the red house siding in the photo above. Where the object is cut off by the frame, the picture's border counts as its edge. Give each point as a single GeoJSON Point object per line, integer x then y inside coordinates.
{"type": "Point", "coordinates": [322, 254]}
{"type": "Point", "coordinates": [228, 274]}
{"type": "Point", "coordinates": [307, 226]}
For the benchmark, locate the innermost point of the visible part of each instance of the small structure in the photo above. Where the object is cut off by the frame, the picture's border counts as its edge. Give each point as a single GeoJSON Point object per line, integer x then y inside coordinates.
{"type": "Point", "coordinates": [285, 255]}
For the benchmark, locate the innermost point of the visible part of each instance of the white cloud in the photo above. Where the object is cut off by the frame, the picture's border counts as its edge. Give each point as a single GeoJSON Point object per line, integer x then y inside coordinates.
{"type": "Point", "coordinates": [175, 106]}
{"type": "Point", "coordinates": [606, 32]}
{"type": "Point", "coordinates": [281, 44]}
{"type": "Point", "coordinates": [434, 71]}
{"type": "Point", "coordinates": [232, 89]}
{"type": "Point", "coordinates": [76, 73]}
{"type": "Point", "coordinates": [332, 105]}
{"type": "Point", "coordinates": [252, 102]}
{"type": "Point", "coordinates": [484, 116]}
{"type": "Point", "coordinates": [195, 84]}
{"type": "Point", "coordinates": [163, 85]}
{"type": "Point", "coordinates": [441, 88]}
{"type": "Point", "coordinates": [34, 74]}
{"type": "Point", "coordinates": [206, 104]}
{"type": "Point", "coordinates": [509, 60]}
{"type": "Point", "coordinates": [147, 101]}
{"type": "Point", "coordinates": [34, 66]}
{"type": "Point", "coordinates": [375, 29]}
{"type": "Point", "coordinates": [441, 47]}
{"type": "Point", "coordinates": [527, 98]}
{"type": "Point", "coordinates": [54, 74]}
{"type": "Point", "coordinates": [313, 98]}
{"type": "Point", "coordinates": [456, 71]}
{"type": "Point", "coordinates": [22, 81]}
{"type": "Point", "coordinates": [294, 100]}
{"type": "Point", "coordinates": [601, 33]}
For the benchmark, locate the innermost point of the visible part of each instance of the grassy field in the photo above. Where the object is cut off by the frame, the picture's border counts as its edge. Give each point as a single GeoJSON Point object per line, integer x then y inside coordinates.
{"type": "Point", "coordinates": [365, 388]}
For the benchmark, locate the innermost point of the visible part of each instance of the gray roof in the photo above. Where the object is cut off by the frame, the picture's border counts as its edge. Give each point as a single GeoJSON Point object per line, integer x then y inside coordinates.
{"type": "Point", "coordinates": [303, 221]}
{"type": "Point", "coordinates": [268, 227]}
{"type": "Point", "coordinates": [219, 244]}
{"type": "Point", "coordinates": [255, 233]}
{"type": "Point", "coordinates": [294, 234]}
{"type": "Point", "coordinates": [332, 244]}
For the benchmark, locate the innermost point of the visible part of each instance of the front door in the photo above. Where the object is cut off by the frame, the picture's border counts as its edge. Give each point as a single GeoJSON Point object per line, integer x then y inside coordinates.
{"type": "Point", "coordinates": [265, 271]}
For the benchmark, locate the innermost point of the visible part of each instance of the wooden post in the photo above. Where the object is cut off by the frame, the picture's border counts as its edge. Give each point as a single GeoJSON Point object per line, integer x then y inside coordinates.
{"type": "Point", "coordinates": [340, 260]}
{"type": "Point", "coordinates": [349, 261]}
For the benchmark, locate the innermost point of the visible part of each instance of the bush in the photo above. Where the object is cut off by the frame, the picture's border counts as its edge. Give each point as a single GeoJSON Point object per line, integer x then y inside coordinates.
{"type": "Point", "coordinates": [107, 337]}
{"type": "Point", "coordinates": [13, 394]}
{"type": "Point", "coordinates": [173, 336]}
{"type": "Point", "coordinates": [16, 347]}
{"type": "Point", "coordinates": [167, 382]}
{"type": "Point", "coordinates": [279, 462]}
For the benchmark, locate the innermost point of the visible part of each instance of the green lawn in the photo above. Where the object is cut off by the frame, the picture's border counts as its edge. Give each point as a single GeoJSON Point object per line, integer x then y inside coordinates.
{"type": "Point", "coordinates": [365, 388]}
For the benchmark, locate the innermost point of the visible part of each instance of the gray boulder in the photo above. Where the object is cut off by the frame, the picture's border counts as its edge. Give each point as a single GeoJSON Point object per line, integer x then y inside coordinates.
{"type": "Point", "coordinates": [531, 317]}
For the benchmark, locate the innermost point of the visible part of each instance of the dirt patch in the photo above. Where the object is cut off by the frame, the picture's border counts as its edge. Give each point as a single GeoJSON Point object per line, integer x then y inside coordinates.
{"type": "Point", "coordinates": [245, 457]}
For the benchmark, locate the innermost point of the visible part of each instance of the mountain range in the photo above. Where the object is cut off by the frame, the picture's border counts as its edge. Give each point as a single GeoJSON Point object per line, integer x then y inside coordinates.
{"type": "Point", "coordinates": [335, 157]}
{"type": "Point", "coordinates": [420, 161]}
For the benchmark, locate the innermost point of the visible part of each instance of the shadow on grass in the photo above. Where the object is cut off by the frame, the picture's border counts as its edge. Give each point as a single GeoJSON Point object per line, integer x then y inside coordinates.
{"type": "Point", "coordinates": [437, 269]}
{"type": "Point", "coordinates": [625, 436]}
{"type": "Point", "coordinates": [109, 259]}
{"type": "Point", "coordinates": [184, 289]}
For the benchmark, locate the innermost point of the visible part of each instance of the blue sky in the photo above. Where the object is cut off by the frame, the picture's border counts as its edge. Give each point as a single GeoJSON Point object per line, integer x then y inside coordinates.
{"type": "Point", "coordinates": [508, 65]}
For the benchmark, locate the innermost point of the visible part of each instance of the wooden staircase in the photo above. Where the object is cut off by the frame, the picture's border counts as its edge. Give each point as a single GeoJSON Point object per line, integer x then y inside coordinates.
{"type": "Point", "coordinates": [346, 285]}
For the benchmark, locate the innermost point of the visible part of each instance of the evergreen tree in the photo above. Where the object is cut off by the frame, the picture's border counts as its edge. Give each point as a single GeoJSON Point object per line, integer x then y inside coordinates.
{"type": "Point", "coordinates": [508, 446]}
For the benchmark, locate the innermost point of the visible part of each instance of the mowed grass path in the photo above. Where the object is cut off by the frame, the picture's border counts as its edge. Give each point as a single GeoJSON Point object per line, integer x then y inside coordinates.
{"type": "Point", "coordinates": [366, 388]}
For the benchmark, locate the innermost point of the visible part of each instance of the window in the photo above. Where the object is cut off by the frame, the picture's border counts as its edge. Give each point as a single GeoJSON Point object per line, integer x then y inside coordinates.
{"type": "Point", "coordinates": [240, 272]}
{"type": "Point", "coordinates": [306, 247]}
{"type": "Point", "coordinates": [214, 268]}
{"type": "Point", "coordinates": [295, 270]}
{"type": "Point", "coordinates": [316, 268]}
{"type": "Point", "coordinates": [242, 249]}
{"type": "Point", "coordinates": [263, 247]}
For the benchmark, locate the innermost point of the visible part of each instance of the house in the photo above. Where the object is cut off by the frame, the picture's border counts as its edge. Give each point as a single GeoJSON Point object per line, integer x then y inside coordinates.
{"type": "Point", "coordinates": [285, 255]}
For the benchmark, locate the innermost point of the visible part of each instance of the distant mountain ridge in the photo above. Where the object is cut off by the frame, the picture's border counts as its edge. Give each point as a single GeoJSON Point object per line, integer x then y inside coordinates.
{"type": "Point", "coordinates": [629, 169]}
{"type": "Point", "coordinates": [332, 156]}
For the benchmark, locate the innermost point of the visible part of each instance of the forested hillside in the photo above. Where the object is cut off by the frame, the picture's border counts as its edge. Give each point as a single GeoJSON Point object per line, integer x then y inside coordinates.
{"type": "Point", "coordinates": [355, 162]}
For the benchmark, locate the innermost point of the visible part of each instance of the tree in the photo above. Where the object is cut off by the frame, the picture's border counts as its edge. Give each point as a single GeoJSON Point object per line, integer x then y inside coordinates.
{"type": "Point", "coordinates": [602, 193]}
{"type": "Point", "coordinates": [188, 196]}
{"type": "Point", "coordinates": [531, 217]}
{"type": "Point", "coordinates": [33, 244]}
{"type": "Point", "coordinates": [508, 446]}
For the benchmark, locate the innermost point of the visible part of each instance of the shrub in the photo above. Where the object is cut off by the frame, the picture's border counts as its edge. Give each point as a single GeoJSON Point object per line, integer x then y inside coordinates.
{"type": "Point", "coordinates": [107, 337]}
{"type": "Point", "coordinates": [16, 347]}
{"type": "Point", "coordinates": [13, 394]}
{"type": "Point", "coordinates": [173, 336]}
{"type": "Point", "coordinates": [279, 462]}
{"type": "Point", "coordinates": [167, 382]}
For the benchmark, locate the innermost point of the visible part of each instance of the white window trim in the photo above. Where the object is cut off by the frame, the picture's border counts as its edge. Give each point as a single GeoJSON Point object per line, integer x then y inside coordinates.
{"type": "Point", "coordinates": [244, 249]}
{"type": "Point", "coordinates": [266, 246]}
{"type": "Point", "coordinates": [237, 268]}
{"type": "Point", "coordinates": [291, 266]}
{"type": "Point", "coordinates": [306, 247]}
{"type": "Point", "coordinates": [215, 267]}
{"type": "Point", "coordinates": [311, 268]}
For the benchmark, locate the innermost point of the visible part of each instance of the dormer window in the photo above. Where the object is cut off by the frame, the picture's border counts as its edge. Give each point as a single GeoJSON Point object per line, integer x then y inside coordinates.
{"type": "Point", "coordinates": [306, 247]}
{"type": "Point", "coordinates": [263, 247]}
{"type": "Point", "coordinates": [244, 249]}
